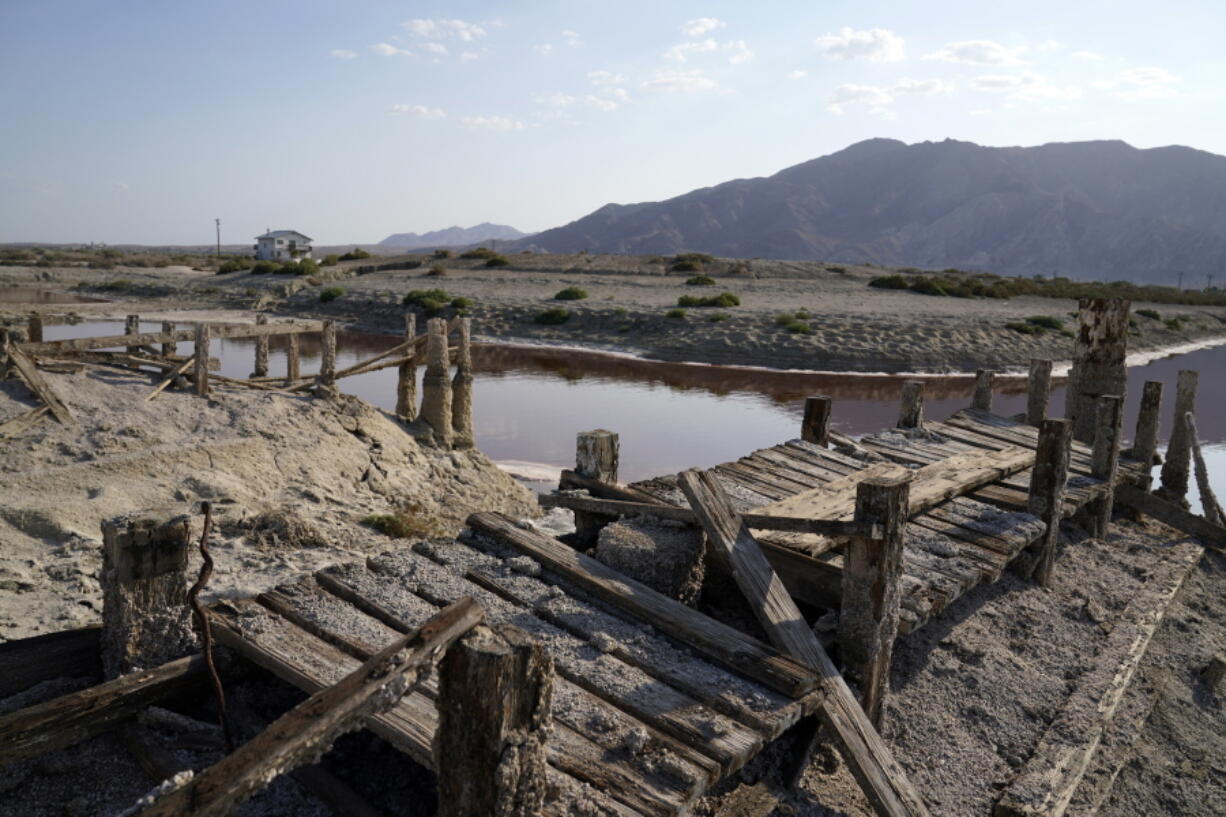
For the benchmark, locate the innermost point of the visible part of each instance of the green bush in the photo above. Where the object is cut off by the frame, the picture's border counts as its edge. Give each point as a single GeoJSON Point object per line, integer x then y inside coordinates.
{"type": "Point", "coordinates": [1149, 313]}
{"type": "Point", "coordinates": [118, 285]}
{"type": "Point", "coordinates": [442, 253]}
{"type": "Point", "coordinates": [235, 265]}
{"type": "Point", "coordinates": [330, 294]}
{"type": "Point", "coordinates": [462, 303]}
{"type": "Point", "coordinates": [691, 261]}
{"type": "Point", "coordinates": [497, 261]}
{"type": "Point", "coordinates": [1046, 322]}
{"type": "Point", "coordinates": [1174, 324]}
{"type": "Point", "coordinates": [890, 282]}
{"type": "Point", "coordinates": [418, 296]}
{"type": "Point", "coordinates": [330, 260]}
{"type": "Point", "coordinates": [481, 253]}
{"type": "Point", "coordinates": [675, 313]}
{"type": "Point", "coordinates": [264, 267]}
{"type": "Point", "coordinates": [1024, 328]}
{"type": "Point", "coordinates": [621, 311]}
{"type": "Point", "coordinates": [288, 268]}
{"type": "Point", "coordinates": [700, 281]}
{"type": "Point", "coordinates": [570, 294]}
{"type": "Point", "coordinates": [718, 317]}
{"type": "Point", "coordinates": [686, 266]}
{"type": "Point", "coordinates": [784, 318]}
{"type": "Point", "coordinates": [553, 316]}
{"type": "Point", "coordinates": [432, 307]}
{"type": "Point", "coordinates": [437, 271]}
{"type": "Point", "coordinates": [928, 286]}
{"type": "Point", "coordinates": [356, 254]}
{"type": "Point", "coordinates": [724, 299]}
{"type": "Point", "coordinates": [799, 328]}
{"type": "Point", "coordinates": [307, 266]}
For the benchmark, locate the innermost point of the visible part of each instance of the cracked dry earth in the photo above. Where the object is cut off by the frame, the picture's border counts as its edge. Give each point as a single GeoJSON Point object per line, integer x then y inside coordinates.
{"type": "Point", "coordinates": [287, 476]}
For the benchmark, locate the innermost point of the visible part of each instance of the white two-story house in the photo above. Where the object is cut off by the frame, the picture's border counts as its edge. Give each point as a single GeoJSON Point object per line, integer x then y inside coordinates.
{"type": "Point", "coordinates": [282, 245]}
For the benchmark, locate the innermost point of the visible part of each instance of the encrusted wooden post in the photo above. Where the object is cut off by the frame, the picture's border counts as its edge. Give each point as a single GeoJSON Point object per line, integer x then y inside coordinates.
{"type": "Point", "coordinates": [1105, 460]}
{"type": "Point", "coordinates": [1048, 481]}
{"type": "Point", "coordinates": [5, 340]}
{"type": "Point", "coordinates": [1038, 391]}
{"type": "Point", "coordinates": [872, 573]}
{"type": "Point", "coordinates": [261, 349]}
{"type": "Point", "coordinates": [145, 618]}
{"type": "Point", "coordinates": [983, 390]}
{"type": "Point", "coordinates": [462, 388]}
{"type": "Point", "coordinates": [34, 329]}
{"type": "Point", "coordinates": [815, 428]}
{"type": "Point", "coordinates": [325, 382]}
{"type": "Point", "coordinates": [1175, 465]}
{"type": "Point", "coordinates": [1098, 361]}
{"type": "Point", "coordinates": [168, 349]}
{"type": "Point", "coordinates": [495, 688]}
{"type": "Point", "coordinates": [597, 454]}
{"type": "Point", "coordinates": [201, 370]}
{"type": "Point", "coordinates": [131, 326]}
{"type": "Point", "coordinates": [912, 413]}
{"type": "Point", "coordinates": [436, 388]}
{"type": "Point", "coordinates": [1145, 441]}
{"type": "Point", "coordinates": [292, 359]}
{"type": "Point", "coordinates": [406, 381]}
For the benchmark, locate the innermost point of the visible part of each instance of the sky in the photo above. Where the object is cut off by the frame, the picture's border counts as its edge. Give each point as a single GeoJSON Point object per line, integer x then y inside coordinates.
{"type": "Point", "coordinates": [142, 122]}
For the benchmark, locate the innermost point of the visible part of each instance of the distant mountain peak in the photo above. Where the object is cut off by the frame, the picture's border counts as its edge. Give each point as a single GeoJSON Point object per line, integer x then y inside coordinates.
{"type": "Point", "coordinates": [454, 236]}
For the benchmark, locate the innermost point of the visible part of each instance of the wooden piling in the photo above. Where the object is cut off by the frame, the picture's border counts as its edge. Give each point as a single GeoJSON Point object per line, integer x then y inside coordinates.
{"type": "Point", "coordinates": [261, 349]}
{"type": "Point", "coordinates": [145, 617]}
{"type": "Point", "coordinates": [1048, 481]}
{"type": "Point", "coordinates": [1038, 391]}
{"type": "Point", "coordinates": [169, 348]}
{"type": "Point", "coordinates": [5, 342]}
{"type": "Point", "coordinates": [1104, 462]}
{"type": "Point", "coordinates": [1145, 441]}
{"type": "Point", "coordinates": [983, 390]}
{"type": "Point", "coordinates": [1175, 465]}
{"type": "Point", "coordinates": [815, 428]}
{"type": "Point", "coordinates": [912, 413]}
{"type": "Point", "coordinates": [495, 688]}
{"type": "Point", "coordinates": [34, 328]}
{"type": "Point", "coordinates": [131, 326]}
{"type": "Point", "coordinates": [462, 387]}
{"type": "Point", "coordinates": [872, 574]}
{"type": "Point", "coordinates": [292, 360]}
{"type": "Point", "coordinates": [325, 382]}
{"type": "Point", "coordinates": [406, 381]}
{"type": "Point", "coordinates": [201, 372]}
{"type": "Point", "coordinates": [597, 454]}
{"type": "Point", "coordinates": [436, 388]}
{"type": "Point", "coordinates": [1098, 361]}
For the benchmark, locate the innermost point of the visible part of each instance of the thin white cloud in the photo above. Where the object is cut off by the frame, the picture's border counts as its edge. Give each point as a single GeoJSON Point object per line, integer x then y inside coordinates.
{"type": "Point", "coordinates": [741, 53]}
{"type": "Point", "coordinates": [572, 38]}
{"type": "Point", "coordinates": [389, 50]}
{"type": "Point", "coordinates": [797, 74]}
{"type": "Point", "coordinates": [343, 53]}
{"type": "Point", "coordinates": [1026, 86]}
{"type": "Point", "coordinates": [492, 123]}
{"type": "Point", "coordinates": [604, 79]}
{"type": "Point", "coordinates": [1087, 56]}
{"type": "Point", "coordinates": [420, 111]}
{"type": "Point", "coordinates": [680, 82]}
{"type": "Point", "coordinates": [438, 49]}
{"type": "Point", "coordinates": [978, 52]}
{"type": "Point", "coordinates": [600, 102]}
{"type": "Point", "coordinates": [681, 51]}
{"type": "Point", "coordinates": [435, 29]}
{"type": "Point", "coordinates": [919, 87]}
{"type": "Point", "coordinates": [468, 56]}
{"type": "Point", "coordinates": [555, 100]}
{"type": "Point", "coordinates": [544, 49]}
{"type": "Point", "coordinates": [701, 25]}
{"type": "Point", "coordinates": [1149, 82]}
{"type": "Point", "coordinates": [879, 98]}
{"type": "Point", "coordinates": [875, 45]}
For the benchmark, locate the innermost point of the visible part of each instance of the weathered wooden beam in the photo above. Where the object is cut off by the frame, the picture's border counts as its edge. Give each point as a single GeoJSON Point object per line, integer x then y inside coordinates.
{"type": "Point", "coordinates": [982, 398]}
{"type": "Point", "coordinates": [406, 380]}
{"type": "Point", "coordinates": [462, 387]}
{"type": "Point", "coordinates": [174, 375]}
{"type": "Point", "coordinates": [34, 328]}
{"type": "Point", "coordinates": [436, 386]}
{"type": "Point", "coordinates": [309, 729]}
{"type": "Point", "coordinates": [872, 575]}
{"type": "Point", "coordinates": [221, 330]}
{"type": "Point", "coordinates": [495, 688]}
{"type": "Point", "coordinates": [1210, 506]}
{"type": "Point", "coordinates": [34, 379]}
{"type": "Point", "coordinates": [572, 480]}
{"type": "Point", "coordinates": [1049, 779]}
{"type": "Point", "coordinates": [325, 381]}
{"type": "Point", "coordinates": [1175, 464]}
{"type": "Point", "coordinates": [169, 348]}
{"type": "Point", "coordinates": [67, 654]}
{"type": "Point", "coordinates": [78, 716]}
{"type": "Point", "coordinates": [1047, 486]}
{"type": "Point", "coordinates": [1105, 461]}
{"type": "Point", "coordinates": [131, 327]}
{"type": "Point", "coordinates": [1171, 514]}
{"type": "Point", "coordinates": [815, 427]}
{"type": "Point", "coordinates": [261, 349]}
{"type": "Point", "coordinates": [911, 415]}
{"type": "Point", "coordinates": [292, 361]}
{"type": "Point", "coordinates": [1099, 354]}
{"type": "Point", "coordinates": [1038, 391]}
{"type": "Point", "coordinates": [1145, 441]}
{"type": "Point", "coordinates": [201, 355]}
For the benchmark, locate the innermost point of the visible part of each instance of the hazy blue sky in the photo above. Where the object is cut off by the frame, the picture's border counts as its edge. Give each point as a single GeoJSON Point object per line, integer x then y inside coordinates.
{"type": "Point", "coordinates": [143, 121]}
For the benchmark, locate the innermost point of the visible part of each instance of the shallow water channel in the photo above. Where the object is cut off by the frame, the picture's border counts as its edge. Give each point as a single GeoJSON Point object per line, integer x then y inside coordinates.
{"type": "Point", "coordinates": [529, 402]}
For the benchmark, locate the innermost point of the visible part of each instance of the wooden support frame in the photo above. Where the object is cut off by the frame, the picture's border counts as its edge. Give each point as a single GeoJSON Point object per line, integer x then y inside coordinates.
{"type": "Point", "coordinates": [66, 654]}
{"type": "Point", "coordinates": [815, 427]}
{"type": "Point", "coordinates": [131, 326]}
{"type": "Point", "coordinates": [325, 381]}
{"type": "Point", "coordinates": [597, 453]}
{"type": "Point", "coordinates": [1038, 391]}
{"type": "Point", "coordinates": [54, 347]}
{"type": "Point", "coordinates": [30, 374]}
{"type": "Point", "coordinates": [1048, 481]}
{"type": "Point", "coordinates": [292, 360]}
{"type": "Point", "coordinates": [169, 348]}
{"type": "Point", "coordinates": [1145, 441]}
{"type": "Point", "coordinates": [1171, 514]}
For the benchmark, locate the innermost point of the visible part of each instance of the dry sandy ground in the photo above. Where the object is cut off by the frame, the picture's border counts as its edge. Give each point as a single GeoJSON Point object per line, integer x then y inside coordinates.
{"type": "Point", "coordinates": [855, 327]}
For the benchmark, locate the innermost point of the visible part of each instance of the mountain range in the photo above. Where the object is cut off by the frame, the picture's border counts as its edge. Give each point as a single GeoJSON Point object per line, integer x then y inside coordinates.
{"type": "Point", "coordinates": [1088, 210]}
{"type": "Point", "coordinates": [453, 236]}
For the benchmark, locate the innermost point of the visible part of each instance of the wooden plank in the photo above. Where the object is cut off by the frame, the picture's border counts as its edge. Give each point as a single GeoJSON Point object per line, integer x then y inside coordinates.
{"type": "Point", "coordinates": [34, 379]}
{"type": "Point", "coordinates": [29, 661]}
{"type": "Point", "coordinates": [790, 458]}
{"type": "Point", "coordinates": [874, 767]}
{"type": "Point", "coordinates": [604, 490]}
{"type": "Point", "coordinates": [719, 642]}
{"type": "Point", "coordinates": [1173, 515]}
{"type": "Point", "coordinates": [183, 367]}
{"type": "Point", "coordinates": [70, 719]}
{"type": "Point", "coordinates": [23, 422]}
{"type": "Point", "coordinates": [1049, 779]}
{"type": "Point", "coordinates": [309, 729]}
{"type": "Point", "coordinates": [223, 330]}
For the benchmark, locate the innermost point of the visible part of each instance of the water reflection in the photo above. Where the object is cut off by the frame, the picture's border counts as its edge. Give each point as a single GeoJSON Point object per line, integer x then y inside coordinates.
{"type": "Point", "coordinates": [30, 295]}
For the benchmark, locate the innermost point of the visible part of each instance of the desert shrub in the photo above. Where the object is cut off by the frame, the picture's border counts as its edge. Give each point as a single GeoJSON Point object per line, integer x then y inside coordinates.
{"type": "Point", "coordinates": [700, 281]}
{"type": "Point", "coordinates": [1024, 328]}
{"type": "Point", "coordinates": [1149, 313]}
{"type": "Point", "coordinates": [497, 261]}
{"type": "Point", "coordinates": [235, 265]}
{"type": "Point", "coordinates": [570, 294]}
{"type": "Point", "coordinates": [693, 257]}
{"type": "Point", "coordinates": [798, 327]}
{"type": "Point", "coordinates": [1046, 322]}
{"type": "Point", "coordinates": [209, 290]}
{"type": "Point", "coordinates": [784, 318]}
{"type": "Point", "coordinates": [356, 254]}
{"type": "Point", "coordinates": [621, 312]}
{"type": "Point", "coordinates": [442, 253]}
{"type": "Point", "coordinates": [675, 313]}
{"type": "Point", "coordinates": [1174, 324]}
{"type": "Point", "coordinates": [890, 282]}
{"type": "Point", "coordinates": [724, 300]}
{"type": "Point", "coordinates": [686, 266]}
{"type": "Point", "coordinates": [410, 520]}
{"type": "Point", "coordinates": [802, 313]}
{"type": "Point", "coordinates": [330, 260]}
{"type": "Point", "coordinates": [437, 271]}
{"type": "Point", "coordinates": [552, 316]}
{"type": "Point", "coordinates": [307, 266]}
{"type": "Point", "coordinates": [840, 270]}
{"type": "Point", "coordinates": [928, 286]}
{"type": "Point", "coordinates": [718, 317]}
{"type": "Point", "coordinates": [417, 296]}
{"type": "Point", "coordinates": [118, 285]}
{"type": "Point", "coordinates": [330, 294]}
{"type": "Point", "coordinates": [102, 263]}
{"type": "Point", "coordinates": [462, 303]}
{"type": "Point", "coordinates": [479, 253]}
{"type": "Point", "coordinates": [263, 267]}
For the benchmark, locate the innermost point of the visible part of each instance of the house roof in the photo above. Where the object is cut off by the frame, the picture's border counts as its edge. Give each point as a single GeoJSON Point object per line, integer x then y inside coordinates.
{"type": "Point", "coordinates": [284, 234]}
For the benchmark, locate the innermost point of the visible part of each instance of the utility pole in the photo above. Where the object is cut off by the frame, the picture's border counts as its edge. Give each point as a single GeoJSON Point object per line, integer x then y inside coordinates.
{"type": "Point", "coordinates": [1181, 282]}
{"type": "Point", "coordinates": [217, 221]}
{"type": "Point", "coordinates": [1209, 288]}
